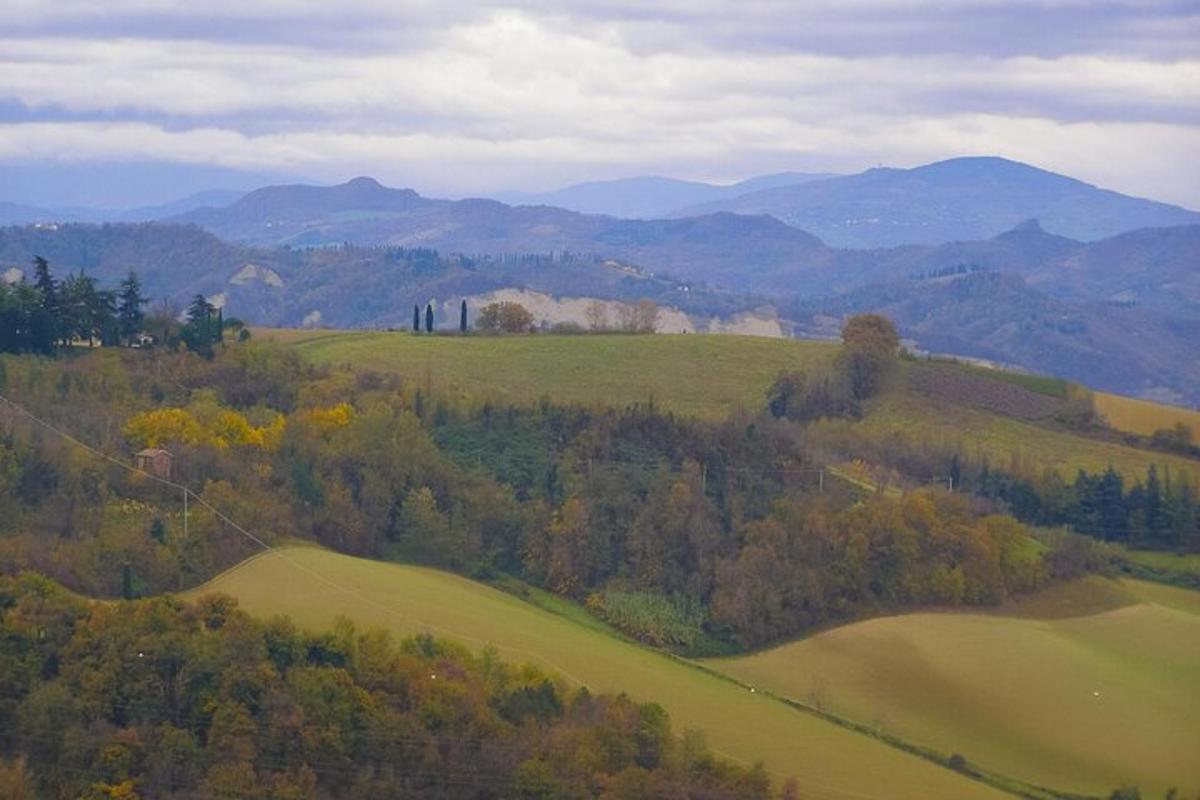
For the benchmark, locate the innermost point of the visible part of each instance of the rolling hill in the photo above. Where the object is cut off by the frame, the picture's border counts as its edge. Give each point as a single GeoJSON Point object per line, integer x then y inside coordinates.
{"type": "Point", "coordinates": [1122, 313]}
{"type": "Point", "coordinates": [314, 587]}
{"type": "Point", "coordinates": [710, 375]}
{"type": "Point", "coordinates": [1112, 704]}
{"type": "Point", "coordinates": [954, 200]}
{"type": "Point", "coordinates": [1081, 700]}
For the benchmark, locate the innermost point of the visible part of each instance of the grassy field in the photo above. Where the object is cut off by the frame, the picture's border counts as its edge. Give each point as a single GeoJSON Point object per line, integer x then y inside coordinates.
{"type": "Point", "coordinates": [1085, 688]}
{"type": "Point", "coordinates": [690, 374]}
{"type": "Point", "coordinates": [314, 587]}
{"type": "Point", "coordinates": [1143, 417]}
{"type": "Point", "coordinates": [706, 375]}
{"type": "Point", "coordinates": [1010, 443]}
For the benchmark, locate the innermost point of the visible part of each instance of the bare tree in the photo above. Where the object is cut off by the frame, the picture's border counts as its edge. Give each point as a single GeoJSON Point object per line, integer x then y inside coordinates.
{"type": "Point", "coordinates": [597, 316]}
{"type": "Point", "coordinates": [640, 317]}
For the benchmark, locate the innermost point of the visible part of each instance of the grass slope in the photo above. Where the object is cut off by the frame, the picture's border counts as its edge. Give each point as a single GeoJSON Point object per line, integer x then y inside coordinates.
{"type": "Point", "coordinates": [1010, 443]}
{"type": "Point", "coordinates": [1018, 694]}
{"type": "Point", "coordinates": [314, 587]}
{"type": "Point", "coordinates": [1144, 417]}
{"type": "Point", "coordinates": [690, 374]}
{"type": "Point", "coordinates": [707, 375]}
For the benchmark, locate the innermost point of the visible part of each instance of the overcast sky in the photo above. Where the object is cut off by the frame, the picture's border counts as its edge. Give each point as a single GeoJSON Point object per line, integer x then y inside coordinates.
{"type": "Point", "coordinates": [453, 97]}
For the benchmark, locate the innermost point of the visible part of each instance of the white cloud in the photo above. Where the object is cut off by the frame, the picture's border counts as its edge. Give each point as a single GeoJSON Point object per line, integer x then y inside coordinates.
{"type": "Point", "coordinates": [547, 93]}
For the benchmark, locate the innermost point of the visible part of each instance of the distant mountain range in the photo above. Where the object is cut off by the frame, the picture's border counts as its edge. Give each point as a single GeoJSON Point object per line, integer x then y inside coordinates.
{"type": "Point", "coordinates": [955, 200]}
{"type": "Point", "coordinates": [993, 274]}
{"type": "Point", "coordinates": [650, 197]}
{"type": "Point", "coordinates": [1122, 314]}
{"type": "Point", "coordinates": [18, 214]}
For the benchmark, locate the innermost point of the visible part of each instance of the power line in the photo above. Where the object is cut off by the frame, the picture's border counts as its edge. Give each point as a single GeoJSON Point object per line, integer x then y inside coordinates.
{"type": "Point", "coordinates": [267, 548]}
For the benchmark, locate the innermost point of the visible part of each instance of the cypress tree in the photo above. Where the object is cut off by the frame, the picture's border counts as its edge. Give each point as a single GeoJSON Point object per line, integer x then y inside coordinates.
{"type": "Point", "coordinates": [416, 318]}
{"type": "Point", "coordinates": [126, 581]}
{"type": "Point", "coordinates": [462, 317]}
{"type": "Point", "coordinates": [129, 311]}
{"type": "Point", "coordinates": [45, 326]}
{"type": "Point", "coordinates": [429, 317]}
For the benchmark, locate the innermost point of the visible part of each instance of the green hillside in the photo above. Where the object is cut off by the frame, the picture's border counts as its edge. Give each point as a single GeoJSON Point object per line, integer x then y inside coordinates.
{"type": "Point", "coordinates": [708, 375]}
{"type": "Point", "coordinates": [691, 374]}
{"type": "Point", "coordinates": [314, 587]}
{"type": "Point", "coordinates": [1087, 687]}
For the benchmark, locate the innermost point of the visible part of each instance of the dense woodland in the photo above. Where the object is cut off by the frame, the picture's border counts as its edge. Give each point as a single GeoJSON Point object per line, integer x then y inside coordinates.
{"type": "Point", "coordinates": [163, 699]}
{"type": "Point", "coordinates": [687, 534]}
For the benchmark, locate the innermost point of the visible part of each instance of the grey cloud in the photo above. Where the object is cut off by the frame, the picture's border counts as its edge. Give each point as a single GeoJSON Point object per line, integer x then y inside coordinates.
{"type": "Point", "coordinates": [460, 95]}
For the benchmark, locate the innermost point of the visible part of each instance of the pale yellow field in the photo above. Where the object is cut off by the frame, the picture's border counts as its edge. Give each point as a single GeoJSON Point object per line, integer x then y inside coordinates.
{"type": "Point", "coordinates": [314, 587]}
{"type": "Point", "coordinates": [1142, 416]}
{"type": "Point", "coordinates": [1082, 703]}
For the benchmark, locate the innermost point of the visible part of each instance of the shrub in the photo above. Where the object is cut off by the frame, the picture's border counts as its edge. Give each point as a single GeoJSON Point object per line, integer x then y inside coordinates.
{"type": "Point", "coordinates": [672, 622]}
{"type": "Point", "coordinates": [505, 317]}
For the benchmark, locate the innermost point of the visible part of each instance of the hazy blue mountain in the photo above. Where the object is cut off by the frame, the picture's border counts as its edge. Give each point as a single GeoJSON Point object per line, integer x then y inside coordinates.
{"type": "Point", "coordinates": [118, 186]}
{"type": "Point", "coordinates": [732, 252]}
{"type": "Point", "coordinates": [345, 286]}
{"type": "Point", "coordinates": [17, 214]}
{"type": "Point", "coordinates": [959, 199]}
{"type": "Point", "coordinates": [1000, 317]}
{"type": "Point", "coordinates": [211, 198]}
{"type": "Point", "coordinates": [1123, 312]}
{"type": "Point", "coordinates": [724, 250]}
{"type": "Point", "coordinates": [648, 197]}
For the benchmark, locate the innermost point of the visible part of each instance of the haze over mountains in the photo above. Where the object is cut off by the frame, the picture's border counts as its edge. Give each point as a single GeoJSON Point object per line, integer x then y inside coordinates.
{"type": "Point", "coordinates": [958, 199]}
{"type": "Point", "coordinates": [650, 197]}
{"type": "Point", "coordinates": [1117, 303]}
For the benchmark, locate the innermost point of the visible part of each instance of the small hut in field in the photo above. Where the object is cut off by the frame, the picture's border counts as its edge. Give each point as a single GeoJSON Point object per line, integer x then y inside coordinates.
{"type": "Point", "coordinates": [155, 461]}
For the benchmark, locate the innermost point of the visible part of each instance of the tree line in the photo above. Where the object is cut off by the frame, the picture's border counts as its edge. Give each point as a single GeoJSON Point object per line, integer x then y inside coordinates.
{"type": "Point", "coordinates": [51, 314]}
{"type": "Point", "coordinates": [510, 317]}
{"type": "Point", "coordinates": [48, 314]}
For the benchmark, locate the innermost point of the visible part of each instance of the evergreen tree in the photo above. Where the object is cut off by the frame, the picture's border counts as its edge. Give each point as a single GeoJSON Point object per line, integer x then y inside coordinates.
{"type": "Point", "coordinates": [1114, 519]}
{"type": "Point", "coordinates": [416, 318]}
{"type": "Point", "coordinates": [126, 581]}
{"type": "Point", "coordinates": [429, 317]}
{"type": "Point", "coordinates": [197, 334]}
{"type": "Point", "coordinates": [86, 312]}
{"type": "Point", "coordinates": [129, 307]}
{"type": "Point", "coordinates": [44, 321]}
{"type": "Point", "coordinates": [45, 283]}
{"type": "Point", "coordinates": [462, 317]}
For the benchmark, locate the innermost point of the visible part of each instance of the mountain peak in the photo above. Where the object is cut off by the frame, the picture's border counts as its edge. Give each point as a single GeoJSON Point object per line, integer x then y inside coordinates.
{"type": "Point", "coordinates": [1030, 225]}
{"type": "Point", "coordinates": [363, 182]}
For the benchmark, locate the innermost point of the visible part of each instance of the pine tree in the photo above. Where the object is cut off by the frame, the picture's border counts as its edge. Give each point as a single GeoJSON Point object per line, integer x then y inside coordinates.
{"type": "Point", "coordinates": [462, 317]}
{"type": "Point", "coordinates": [44, 323]}
{"type": "Point", "coordinates": [429, 317]}
{"type": "Point", "coordinates": [45, 283]}
{"type": "Point", "coordinates": [198, 333]}
{"type": "Point", "coordinates": [129, 307]}
{"type": "Point", "coordinates": [416, 318]}
{"type": "Point", "coordinates": [1152, 506]}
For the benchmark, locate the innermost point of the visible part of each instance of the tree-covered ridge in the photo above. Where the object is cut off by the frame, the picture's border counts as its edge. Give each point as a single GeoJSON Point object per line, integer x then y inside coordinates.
{"type": "Point", "coordinates": [684, 533]}
{"type": "Point", "coordinates": [158, 698]}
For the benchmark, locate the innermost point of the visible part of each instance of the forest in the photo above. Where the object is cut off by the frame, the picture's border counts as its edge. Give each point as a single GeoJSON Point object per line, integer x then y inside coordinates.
{"type": "Point", "coordinates": [163, 699]}
{"type": "Point", "coordinates": [698, 536]}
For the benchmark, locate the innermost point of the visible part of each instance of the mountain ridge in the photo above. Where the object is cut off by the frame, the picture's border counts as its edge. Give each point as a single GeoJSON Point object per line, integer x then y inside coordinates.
{"type": "Point", "coordinates": [960, 199]}
{"type": "Point", "coordinates": [1046, 303]}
